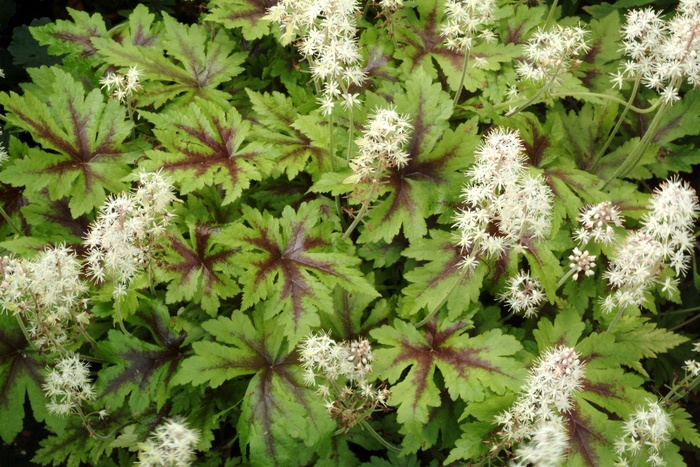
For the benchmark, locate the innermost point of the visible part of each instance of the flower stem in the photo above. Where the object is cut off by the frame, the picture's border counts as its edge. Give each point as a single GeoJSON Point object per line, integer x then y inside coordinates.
{"type": "Point", "coordinates": [10, 222]}
{"type": "Point", "coordinates": [605, 147]}
{"type": "Point", "coordinates": [378, 437]}
{"type": "Point", "coordinates": [358, 218]}
{"type": "Point", "coordinates": [461, 79]}
{"type": "Point", "coordinates": [552, 9]}
{"type": "Point", "coordinates": [26, 333]}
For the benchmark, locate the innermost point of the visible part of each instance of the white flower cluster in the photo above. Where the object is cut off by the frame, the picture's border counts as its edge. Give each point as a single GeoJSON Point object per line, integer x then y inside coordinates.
{"type": "Point", "coordinates": [647, 428]}
{"type": "Point", "coordinates": [581, 262]}
{"type": "Point", "coordinates": [327, 31]}
{"type": "Point", "coordinates": [536, 415]}
{"type": "Point", "coordinates": [48, 293]}
{"type": "Point", "coordinates": [171, 445]}
{"type": "Point", "coordinates": [665, 239]}
{"type": "Point", "coordinates": [344, 366]}
{"type": "Point", "coordinates": [663, 52]}
{"type": "Point", "coordinates": [381, 146]}
{"type": "Point", "coordinates": [68, 386]}
{"type": "Point", "coordinates": [124, 85]}
{"type": "Point", "coordinates": [523, 294]}
{"type": "Point", "coordinates": [122, 240]}
{"type": "Point", "coordinates": [501, 193]}
{"type": "Point", "coordinates": [551, 53]}
{"type": "Point", "coordinates": [692, 367]}
{"type": "Point", "coordinates": [596, 223]}
{"type": "Point", "coordinates": [389, 6]}
{"type": "Point", "coordinates": [467, 19]}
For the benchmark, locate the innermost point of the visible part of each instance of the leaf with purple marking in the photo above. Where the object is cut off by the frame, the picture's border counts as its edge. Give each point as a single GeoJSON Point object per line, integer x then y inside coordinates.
{"type": "Point", "coordinates": [294, 261]}
{"type": "Point", "coordinates": [472, 368]}
{"type": "Point", "coordinates": [437, 155]}
{"type": "Point", "coordinates": [246, 14]}
{"type": "Point", "coordinates": [81, 155]}
{"type": "Point", "coordinates": [185, 61]}
{"type": "Point", "coordinates": [206, 145]}
{"type": "Point", "coordinates": [198, 268]}
{"type": "Point", "coordinates": [73, 38]}
{"type": "Point", "coordinates": [280, 417]}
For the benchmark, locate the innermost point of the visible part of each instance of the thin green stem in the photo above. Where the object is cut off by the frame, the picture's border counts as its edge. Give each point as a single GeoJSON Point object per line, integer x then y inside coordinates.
{"type": "Point", "coordinates": [9, 221]}
{"type": "Point", "coordinates": [613, 323]}
{"type": "Point", "coordinates": [358, 218]}
{"type": "Point", "coordinates": [378, 437]}
{"type": "Point", "coordinates": [685, 323]}
{"type": "Point", "coordinates": [529, 102]}
{"type": "Point", "coordinates": [678, 312]}
{"type": "Point", "coordinates": [587, 94]}
{"type": "Point", "coordinates": [120, 320]}
{"type": "Point", "coordinates": [620, 119]}
{"type": "Point", "coordinates": [331, 142]}
{"type": "Point", "coordinates": [565, 277]}
{"type": "Point", "coordinates": [434, 311]}
{"type": "Point", "coordinates": [26, 333]}
{"type": "Point", "coordinates": [465, 66]}
{"type": "Point", "coordinates": [351, 130]}
{"type": "Point", "coordinates": [552, 9]}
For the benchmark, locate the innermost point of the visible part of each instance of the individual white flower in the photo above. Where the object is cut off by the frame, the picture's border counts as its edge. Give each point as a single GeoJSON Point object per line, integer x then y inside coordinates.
{"type": "Point", "coordinates": [124, 85]}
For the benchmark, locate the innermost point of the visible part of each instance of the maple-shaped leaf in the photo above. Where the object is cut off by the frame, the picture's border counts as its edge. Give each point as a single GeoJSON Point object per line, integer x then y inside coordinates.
{"type": "Point", "coordinates": [280, 416]}
{"type": "Point", "coordinates": [72, 447]}
{"type": "Point", "coordinates": [81, 154]}
{"type": "Point", "coordinates": [301, 139]}
{"type": "Point", "coordinates": [137, 367]}
{"type": "Point", "coordinates": [294, 261]}
{"type": "Point", "coordinates": [418, 189]}
{"type": "Point", "coordinates": [246, 14]}
{"type": "Point", "coordinates": [608, 393]}
{"type": "Point", "coordinates": [472, 368]}
{"type": "Point", "coordinates": [436, 280]}
{"type": "Point", "coordinates": [183, 61]}
{"type": "Point", "coordinates": [72, 38]}
{"type": "Point", "coordinates": [198, 268]}
{"type": "Point", "coordinates": [20, 376]}
{"type": "Point", "coordinates": [423, 43]}
{"type": "Point", "coordinates": [205, 145]}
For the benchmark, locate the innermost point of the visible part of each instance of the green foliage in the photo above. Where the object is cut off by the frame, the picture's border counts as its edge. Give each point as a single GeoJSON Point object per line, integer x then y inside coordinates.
{"type": "Point", "coordinates": [273, 242]}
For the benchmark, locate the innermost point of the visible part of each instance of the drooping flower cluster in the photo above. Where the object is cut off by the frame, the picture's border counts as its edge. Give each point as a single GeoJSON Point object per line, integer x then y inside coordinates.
{"type": "Point", "coordinates": [124, 85]}
{"type": "Point", "coordinates": [551, 53]}
{"type": "Point", "coordinates": [48, 294]}
{"type": "Point", "coordinates": [122, 240]}
{"type": "Point", "coordinates": [501, 193]}
{"type": "Point", "coordinates": [381, 146]}
{"type": "Point", "coordinates": [646, 430]}
{"type": "Point", "coordinates": [596, 223]}
{"type": "Point", "coordinates": [467, 19]}
{"type": "Point", "coordinates": [523, 294]}
{"type": "Point", "coordinates": [344, 368]}
{"type": "Point", "coordinates": [68, 386]}
{"type": "Point", "coordinates": [664, 240]}
{"type": "Point", "coordinates": [172, 444]}
{"type": "Point", "coordinates": [662, 52]}
{"type": "Point", "coordinates": [327, 31]}
{"type": "Point", "coordinates": [555, 378]}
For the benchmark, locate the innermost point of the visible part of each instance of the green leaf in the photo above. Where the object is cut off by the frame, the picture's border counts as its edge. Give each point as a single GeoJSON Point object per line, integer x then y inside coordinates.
{"type": "Point", "coordinates": [473, 368]}
{"type": "Point", "coordinates": [81, 154]}
{"type": "Point", "coordinates": [72, 447]}
{"type": "Point", "coordinates": [184, 62]}
{"type": "Point", "coordinates": [246, 14]}
{"type": "Point", "coordinates": [294, 262]}
{"type": "Point", "coordinates": [433, 282]}
{"type": "Point", "coordinates": [418, 190]}
{"type": "Point", "coordinates": [204, 146]}
{"type": "Point", "coordinates": [279, 415]}
{"type": "Point", "coordinates": [72, 38]}
{"type": "Point", "coordinates": [298, 138]}
{"type": "Point", "coordinates": [198, 268]}
{"type": "Point", "coordinates": [637, 338]}
{"type": "Point", "coordinates": [137, 367]}
{"type": "Point", "coordinates": [20, 375]}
